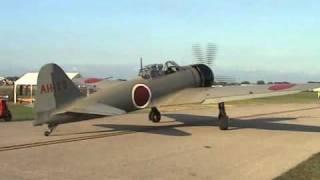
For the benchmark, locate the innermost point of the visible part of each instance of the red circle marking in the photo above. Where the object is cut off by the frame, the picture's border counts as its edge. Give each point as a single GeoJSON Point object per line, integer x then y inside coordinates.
{"type": "Point", "coordinates": [279, 87]}
{"type": "Point", "coordinates": [141, 96]}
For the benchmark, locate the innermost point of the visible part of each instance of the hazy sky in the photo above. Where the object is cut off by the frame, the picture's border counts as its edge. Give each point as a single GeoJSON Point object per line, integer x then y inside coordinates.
{"type": "Point", "coordinates": [279, 36]}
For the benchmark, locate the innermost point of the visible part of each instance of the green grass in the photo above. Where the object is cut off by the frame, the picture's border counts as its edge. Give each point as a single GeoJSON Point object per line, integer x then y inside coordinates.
{"type": "Point", "coordinates": [20, 112]}
{"type": "Point", "coordinates": [302, 98]}
{"type": "Point", "coordinates": [307, 170]}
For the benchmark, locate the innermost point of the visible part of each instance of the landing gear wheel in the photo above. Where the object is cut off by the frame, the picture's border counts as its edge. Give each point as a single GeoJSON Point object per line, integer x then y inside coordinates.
{"type": "Point", "coordinates": [154, 115]}
{"type": "Point", "coordinates": [47, 133]}
{"type": "Point", "coordinates": [223, 122]}
{"type": "Point", "coordinates": [8, 117]}
{"type": "Point", "coordinates": [51, 127]}
{"type": "Point", "coordinates": [150, 115]}
{"type": "Point", "coordinates": [223, 117]}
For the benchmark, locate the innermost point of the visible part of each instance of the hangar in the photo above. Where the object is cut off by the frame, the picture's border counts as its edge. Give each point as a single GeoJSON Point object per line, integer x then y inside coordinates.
{"type": "Point", "coordinates": [25, 86]}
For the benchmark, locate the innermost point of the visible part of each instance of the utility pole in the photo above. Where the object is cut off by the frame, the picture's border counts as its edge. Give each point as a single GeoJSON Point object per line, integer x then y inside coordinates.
{"type": "Point", "coordinates": [141, 64]}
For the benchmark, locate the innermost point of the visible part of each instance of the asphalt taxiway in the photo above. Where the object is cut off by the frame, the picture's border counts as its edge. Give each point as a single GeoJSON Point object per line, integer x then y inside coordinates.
{"type": "Point", "coordinates": [263, 142]}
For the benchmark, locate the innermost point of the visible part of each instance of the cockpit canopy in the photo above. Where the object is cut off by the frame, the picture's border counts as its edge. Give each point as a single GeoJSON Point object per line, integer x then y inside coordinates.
{"type": "Point", "coordinates": [158, 70]}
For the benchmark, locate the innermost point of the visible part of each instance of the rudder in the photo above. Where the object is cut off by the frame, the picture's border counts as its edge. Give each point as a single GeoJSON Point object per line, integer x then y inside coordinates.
{"type": "Point", "coordinates": [54, 90]}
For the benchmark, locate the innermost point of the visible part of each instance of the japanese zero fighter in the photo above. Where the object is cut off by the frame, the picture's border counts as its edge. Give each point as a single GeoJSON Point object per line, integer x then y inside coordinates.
{"type": "Point", "coordinates": [58, 99]}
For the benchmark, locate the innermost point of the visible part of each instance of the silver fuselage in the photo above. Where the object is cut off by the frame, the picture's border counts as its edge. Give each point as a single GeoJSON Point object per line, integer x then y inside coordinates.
{"type": "Point", "coordinates": [120, 95]}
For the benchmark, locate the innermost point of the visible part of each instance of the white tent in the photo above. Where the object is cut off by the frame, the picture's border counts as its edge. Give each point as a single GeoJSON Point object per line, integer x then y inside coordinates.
{"type": "Point", "coordinates": [316, 90]}
{"type": "Point", "coordinates": [30, 79]}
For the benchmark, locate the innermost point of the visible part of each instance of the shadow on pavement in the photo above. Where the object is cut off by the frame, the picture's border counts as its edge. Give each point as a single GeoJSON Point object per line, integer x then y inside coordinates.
{"type": "Point", "coordinates": [253, 123]}
{"type": "Point", "coordinates": [188, 120]}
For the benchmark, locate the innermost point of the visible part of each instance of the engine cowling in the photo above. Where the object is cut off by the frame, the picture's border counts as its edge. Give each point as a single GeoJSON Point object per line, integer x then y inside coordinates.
{"type": "Point", "coordinates": [205, 73]}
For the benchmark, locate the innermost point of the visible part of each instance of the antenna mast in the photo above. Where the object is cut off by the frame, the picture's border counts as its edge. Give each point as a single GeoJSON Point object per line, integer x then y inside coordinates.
{"type": "Point", "coordinates": [141, 64]}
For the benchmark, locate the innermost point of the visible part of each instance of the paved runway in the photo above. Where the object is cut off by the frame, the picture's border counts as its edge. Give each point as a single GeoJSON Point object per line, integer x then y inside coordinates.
{"type": "Point", "coordinates": [263, 141]}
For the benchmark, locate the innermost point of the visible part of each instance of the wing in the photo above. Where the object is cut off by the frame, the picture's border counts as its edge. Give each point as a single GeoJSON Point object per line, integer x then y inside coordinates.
{"type": "Point", "coordinates": [231, 93]}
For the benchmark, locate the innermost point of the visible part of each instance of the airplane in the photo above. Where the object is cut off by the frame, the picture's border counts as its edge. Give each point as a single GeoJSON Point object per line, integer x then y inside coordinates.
{"type": "Point", "coordinates": [58, 99]}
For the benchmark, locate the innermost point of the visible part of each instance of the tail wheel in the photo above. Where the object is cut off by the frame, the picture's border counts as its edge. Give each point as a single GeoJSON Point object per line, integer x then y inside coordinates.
{"type": "Point", "coordinates": [51, 127]}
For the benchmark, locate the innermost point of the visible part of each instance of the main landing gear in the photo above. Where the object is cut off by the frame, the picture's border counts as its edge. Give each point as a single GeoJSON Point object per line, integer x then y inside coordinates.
{"type": "Point", "coordinates": [51, 127]}
{"type": "Point", "coordinates": [154, 115]}
{"type": "Point", "coordinates": [223, 117]}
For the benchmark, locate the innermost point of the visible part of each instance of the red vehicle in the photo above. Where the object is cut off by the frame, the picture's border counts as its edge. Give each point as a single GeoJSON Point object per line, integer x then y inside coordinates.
{"type": "Point", "coordinates": [4, 111]}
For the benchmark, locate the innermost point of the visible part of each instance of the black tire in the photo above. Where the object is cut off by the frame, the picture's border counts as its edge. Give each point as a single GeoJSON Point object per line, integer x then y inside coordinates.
{"type": "Point", "coordinates": [223, 122]}
{"type": "Point", "coordinates": [156, 117]}
{"type": "Point", "coordinates": [8, 117]}
{"type": "Point", "coordinates": [150, 115]}
{"type": "Point", "coordinates": [46, 133]}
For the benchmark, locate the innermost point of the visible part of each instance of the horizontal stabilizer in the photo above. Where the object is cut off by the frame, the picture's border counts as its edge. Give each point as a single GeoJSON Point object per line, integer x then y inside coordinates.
{"type": "Point", "coordinates": [95, 109]}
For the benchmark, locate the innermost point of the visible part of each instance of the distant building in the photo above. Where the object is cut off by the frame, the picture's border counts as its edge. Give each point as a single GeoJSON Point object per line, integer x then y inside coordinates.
{"type": "Point", "coordinates": [225, 79]}
{"type": "Point", "coordinates": [25, 86]}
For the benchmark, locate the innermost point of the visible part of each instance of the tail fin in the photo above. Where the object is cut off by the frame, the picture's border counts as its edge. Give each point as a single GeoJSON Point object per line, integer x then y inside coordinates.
{"type": "Point", "coordinates": [54, 90]}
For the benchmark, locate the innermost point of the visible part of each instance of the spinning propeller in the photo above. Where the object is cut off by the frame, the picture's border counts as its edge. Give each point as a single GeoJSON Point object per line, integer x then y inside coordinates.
{"type": "Point", "coordinates": [207, 59]}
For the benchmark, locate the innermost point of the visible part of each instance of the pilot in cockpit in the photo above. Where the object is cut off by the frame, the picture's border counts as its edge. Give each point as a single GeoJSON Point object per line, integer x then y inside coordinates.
{"type": "Point", "coordinates": [157, 70]}
{"type": "Point", "coordinates": [171, 67]}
